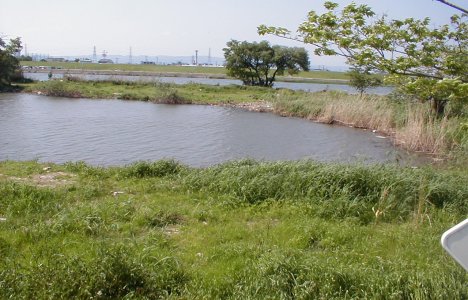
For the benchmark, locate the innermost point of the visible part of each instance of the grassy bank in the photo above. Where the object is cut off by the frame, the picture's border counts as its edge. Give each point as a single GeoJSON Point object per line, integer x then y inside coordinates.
{"type": "Point", "coordinates": [154, 92]}
{"type": "Point", "coordinates": [242, 230]}
{"type": "Point", "coordinates": [409, 124]}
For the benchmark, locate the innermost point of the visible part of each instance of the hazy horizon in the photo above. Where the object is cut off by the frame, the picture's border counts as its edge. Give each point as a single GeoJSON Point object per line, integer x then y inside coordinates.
{"type": "Point", "coordinates": [173, 28]}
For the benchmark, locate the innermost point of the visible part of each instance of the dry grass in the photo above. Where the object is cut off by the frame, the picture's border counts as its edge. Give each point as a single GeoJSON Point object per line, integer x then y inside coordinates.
{"type": "Point", "coordinates": [426, 133]}
{"type": "Point", "coordinates": [413, 127]}
{"type": "Point", "coordinates": [361, 112]}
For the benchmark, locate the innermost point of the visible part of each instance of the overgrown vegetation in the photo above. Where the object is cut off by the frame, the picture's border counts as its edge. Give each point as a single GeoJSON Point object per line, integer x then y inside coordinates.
{"type": "Point", "coordinates": [239, 230]}
{"type": "Point", "coordinates": [411, 124]}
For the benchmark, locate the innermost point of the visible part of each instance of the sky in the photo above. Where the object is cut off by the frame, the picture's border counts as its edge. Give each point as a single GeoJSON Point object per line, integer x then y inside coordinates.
{"type": "Point", "coordinates": [175, 27]}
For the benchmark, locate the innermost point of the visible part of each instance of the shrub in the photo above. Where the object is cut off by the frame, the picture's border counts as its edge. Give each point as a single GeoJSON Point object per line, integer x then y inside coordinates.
{"type": "Point", "coordinates": [159, 168]}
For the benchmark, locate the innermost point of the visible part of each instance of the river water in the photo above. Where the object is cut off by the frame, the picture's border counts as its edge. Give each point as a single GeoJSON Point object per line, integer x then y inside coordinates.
{"type": "Point", "coordinates": [116, 132]}
{"type": "Point", "coordinates": [310, 87]}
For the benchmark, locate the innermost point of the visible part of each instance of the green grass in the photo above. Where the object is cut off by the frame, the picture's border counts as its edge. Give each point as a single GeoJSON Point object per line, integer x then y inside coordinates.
{"type": "Point", "coordinates": [155, 92]}
{"type": "Point", "coordinates": [241, 230]}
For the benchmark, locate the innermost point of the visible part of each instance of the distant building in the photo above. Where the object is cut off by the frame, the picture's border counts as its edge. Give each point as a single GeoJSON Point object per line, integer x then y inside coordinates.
{"type": "Point", "coordinates": [85, 60]}
{"type": "Point", "coordinates": [148, 63]}
{"type": "Point", "coordinates": [105, 61]}
{"type": "Point", "coordinates": [55, 59]}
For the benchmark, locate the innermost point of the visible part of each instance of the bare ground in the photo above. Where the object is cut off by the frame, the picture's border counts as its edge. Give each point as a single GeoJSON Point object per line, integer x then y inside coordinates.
{"type": "Point", "coordinates": [48, 179]}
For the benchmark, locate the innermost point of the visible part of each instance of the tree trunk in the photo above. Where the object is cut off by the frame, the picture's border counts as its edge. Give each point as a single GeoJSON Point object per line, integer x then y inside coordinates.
{"type": "Point", "coordinates": [438, 106]}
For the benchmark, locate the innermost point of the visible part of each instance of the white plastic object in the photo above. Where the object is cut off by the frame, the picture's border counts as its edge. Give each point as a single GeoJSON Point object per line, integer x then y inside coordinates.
{"type": "Point", "coordinates": [455, 242]}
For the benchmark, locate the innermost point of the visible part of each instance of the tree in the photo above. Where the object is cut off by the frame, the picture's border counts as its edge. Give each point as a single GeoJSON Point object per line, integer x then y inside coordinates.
{"type": "Point", "coordinates": [426, 62]}
{"type": "Point", "coordinates": [362, 79]}
{"type": "Point", "coordinates": [259, 63]}
{"type": "Point", "coordinates": [9, 64]}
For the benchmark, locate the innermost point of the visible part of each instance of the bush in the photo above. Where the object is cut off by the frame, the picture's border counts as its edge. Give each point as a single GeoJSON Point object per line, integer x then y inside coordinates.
{"type": "Point", "coordinates": [159, 168]}
{"type": "Point", "coordinates": [59, 88]}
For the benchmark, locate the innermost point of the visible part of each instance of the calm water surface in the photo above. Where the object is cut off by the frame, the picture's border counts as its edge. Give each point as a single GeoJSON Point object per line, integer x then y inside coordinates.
{"type": "Point", "coordinates": [116, 132]}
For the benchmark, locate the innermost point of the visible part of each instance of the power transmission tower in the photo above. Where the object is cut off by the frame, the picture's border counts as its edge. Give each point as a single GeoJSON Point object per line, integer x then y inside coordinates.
{"type": "Point", "coordinates": [130, 57]}
{"type": "Point", "coordinates": [94, 55]}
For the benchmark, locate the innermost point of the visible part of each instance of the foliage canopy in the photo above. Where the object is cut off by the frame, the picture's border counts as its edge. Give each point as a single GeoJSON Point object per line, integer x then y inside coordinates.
{"type": "Point", "coordinates": [259, 63]}
{"type": "Point", "coordinates": [8, 61]}
{"type": "Point", "coordinates": [427, 62]}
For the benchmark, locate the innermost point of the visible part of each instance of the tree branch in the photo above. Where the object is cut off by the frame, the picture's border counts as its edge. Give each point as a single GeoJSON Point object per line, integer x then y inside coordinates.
{"type": "Point", "coordinates": [454, 6]}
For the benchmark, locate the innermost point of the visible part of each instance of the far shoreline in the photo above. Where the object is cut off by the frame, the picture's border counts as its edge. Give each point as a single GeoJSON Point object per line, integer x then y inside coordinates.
{"type": "Point", "coordinates": [117, 72]}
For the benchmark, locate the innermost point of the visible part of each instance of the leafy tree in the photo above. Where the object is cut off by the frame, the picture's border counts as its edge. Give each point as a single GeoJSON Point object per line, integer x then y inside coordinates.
{"type": "Point", "coordinates": [362, 79]}
{"type": "Point", "coordinates": [426, 62]}
{"type": "Point", "coordinates": [9, 64]}
{"type": "Point", "coordinates": [259, 63]}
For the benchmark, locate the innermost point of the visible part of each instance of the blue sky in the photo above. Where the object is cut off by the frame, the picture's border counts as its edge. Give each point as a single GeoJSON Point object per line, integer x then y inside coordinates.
{"type": "Point", "coordinates": [174, 27]}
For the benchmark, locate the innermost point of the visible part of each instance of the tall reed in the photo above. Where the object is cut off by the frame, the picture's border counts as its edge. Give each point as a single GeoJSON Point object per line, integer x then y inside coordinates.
{"type": "Point", "coordinates": [412, 126]}
{"type": "Point", "coordinates": [422, 131]}
{"type": "Point", "coordinates": [363, 112]}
